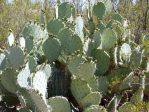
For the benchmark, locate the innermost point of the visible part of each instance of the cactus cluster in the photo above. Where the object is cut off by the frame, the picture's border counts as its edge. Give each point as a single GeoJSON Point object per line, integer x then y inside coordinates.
{"type": "Point", "coordinates": [91, 65]}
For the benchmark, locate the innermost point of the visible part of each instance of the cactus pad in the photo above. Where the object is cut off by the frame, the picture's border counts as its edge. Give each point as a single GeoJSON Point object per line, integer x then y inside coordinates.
{"type": "Point", "coordinates": [51, 26]}
{"type": "Point", "coordinates": [99, 10]}
{"type": "Point", "coordinates": [103, 61]}
{"type": "Point", "coordinates": [32, 64]}
{"type": "Point", "coordinates": [93, 98]}
{"type": "Point", "coordinates": [126, 83]}
{"type": "Point", "coordinates": [103, 85]}
{"type": "Point", "coordinates": [74, 63]}
{"type": "Point", "coordinates": [136, 58]}
{"type": "Point", "coordinates": [128, 107]}
{"type": "Point", "coordinates": [52, 49]}
{"type": "Point", "coordinates": [79, 89]}
{"type": "Point", "coordinates": [86, 70]}
{"type": "Point", "coordinates": [108, 39]}
{"type": "Point", "coordinates": [59, 104]}
{"type": "Point", "coordinates": [65, 10]}
{"type": "Point", "coordinates": [118, 17]}
{"type": "Point", "coordinates": [35, 31]}
{"type": "Point", "coordinates": [95, 108]}
{"type": "Point", "coordinates": [97, 39]}
{"type": "Point", "coordinates": [29, 44]}
{"type": "Point", "coordinates": [9, 80]}
{"type": "Point", "coordinates": [70, 43]}
{"type": "Point", "coordinates": [93, 83]}
{"type": "Point", "coordinates": [108, 5]}
{"type": "Point", "coordinates": [34, 101]}
{"type": "Point", "coordinates": [16, 57]}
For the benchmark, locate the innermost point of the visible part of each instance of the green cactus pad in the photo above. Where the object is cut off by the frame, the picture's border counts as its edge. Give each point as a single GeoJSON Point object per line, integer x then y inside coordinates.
{"type": "Point", "coordinates": [29, 44]}
{"type": "Point", "coordinates": [35, 31]}
{"type": "Point", "coordinates": [108, 5]}
{"type": "Point", "coordinates": [54, 26]}
{"type": "Point", "coordinates": [126, 83]}
{"type": "Point", "coordinates": [34, 101]}
{"type": "Point", "coordinates": [15, 57]}
{"type": "Point", "coordinates": [127, 107]}
{"type": "Point", "coordinates": [135, 59]}
{"type": "Point", "coordinates": [30, 30]}
{"type": "Point", "coordinates": [118, 17]}
{"type": "Point", "coordinates": [116, 77]}
{"type": "Point", "coordinates": [59, 104]}
{"type": "Point", "coordinates": [79, 89]}
{"type": "Point", "coordinates": [103, 61]}
{"type": "Point", "coordinates": [65, 10]}
{"type": "Point", "coordinates": [32, 64]}
{"type": "Point", "coordinates": [108, 39]}
{"type": "Point", "coordinates": [9, 80]}
{"type": "Point", "coordinates": [109, 24]}
{"type": "Point", "coordinates": [95, 108]}
{"type": "Point", "coordinates": [74, 63]}
{"type": "Point", "coordinates": [93, 83]}
{"type": "Point", "coordinates": [93, 98]}
{"type": "Point", "coordinates": [118, 28]}
{"type": "Point", "coordinates": [86, 70]}
{"type": "Point", "coordinates": [101, 26]}
{"type": "Point", "coordinates": [52, 49]}
{"type": "Point", "coordinates": [70, 43]}
{"type": "Point", "coordinates": [99, 10]}
{"type": "Point", "coordinates": [38, 101]}
{"type": "Point", "coordinates": [103, 84]}
{"type": "Point", "coordinates": [97, 39]}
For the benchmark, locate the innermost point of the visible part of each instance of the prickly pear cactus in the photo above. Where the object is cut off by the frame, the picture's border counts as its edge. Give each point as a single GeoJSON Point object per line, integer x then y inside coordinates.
{"type": "Point", "coordinates": [51, 26]}
{"type": "Point", "coordinates": [32, 100]}
{"type": "Point", "coordinates": [95, 108]}
{"type": "Point", "coordinates": [70, 42]}
{"type": "Point", "coordinates": [35, 31]}
{"type": "Point", "coordinates": [75, 63]}
{"type": "Point", "coordinates": [9, 80]}
{"type": "Point", "coordinates": [48, 46]}
{"type": "Point", "coordinates": [93, 98]}
{"type": "Point", "coordinates": [79, 89]}
{"type": "Point", "coordinates": [59, 104]}
{"type": "Point", "coordinates": [118, 17]}
{"type": "Point", "coordinates": [108, 39]}
{"type": "Point", "coordinates": [65, 10]}
{"type": "Point", "coordinates": [99, 10]}
{"type": "Point", "coordinates": [103, 60]}
{"type": "Point", "coordinates": [15, 57]}
{"type": "Point", "coordinates": [127, 107]}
